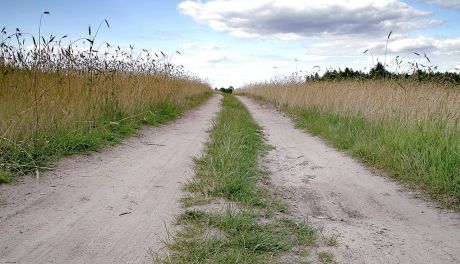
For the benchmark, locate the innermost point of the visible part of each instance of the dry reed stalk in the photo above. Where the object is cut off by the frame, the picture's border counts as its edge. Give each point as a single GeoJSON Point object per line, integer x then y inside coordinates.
{"type": "Point", "coordinates": [374, 99]}
{"type": "Point", "coordinates": [54, 88]}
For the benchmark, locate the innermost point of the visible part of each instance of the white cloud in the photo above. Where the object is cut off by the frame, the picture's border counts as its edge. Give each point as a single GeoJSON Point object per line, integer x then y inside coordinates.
{"type": "Point", "coordinates": [298, 19]}
{"type": "Point", "coordinates": [334, 33]}
{"type": "Point", "coordinates": [400, 44]}
{"type": "Point", "coordinates": [426, 44]}
{"type": "Point", "coordinates": [237, 67]}
{"type": "Point", "coordinates": [446, 3]}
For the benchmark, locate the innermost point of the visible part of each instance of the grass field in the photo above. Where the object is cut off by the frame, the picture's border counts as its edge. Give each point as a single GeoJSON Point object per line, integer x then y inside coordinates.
{"type": "Point", "coordinates": [58, 99]}
{"type": "Point", "coordinates": [252, 226]}
{"type": "Point", "coordinates": [410, 129]}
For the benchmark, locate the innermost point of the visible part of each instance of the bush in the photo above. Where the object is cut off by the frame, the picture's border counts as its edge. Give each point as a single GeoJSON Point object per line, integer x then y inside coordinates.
{"type": "Point", "coordinates": [228, 90]}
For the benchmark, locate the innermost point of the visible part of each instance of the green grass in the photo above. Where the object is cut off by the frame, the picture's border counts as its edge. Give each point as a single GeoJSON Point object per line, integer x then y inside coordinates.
{"type": "Point", "coordinates": [423, 155]}
{"type": "Point", "coordinates": [240, 238]}
{"type": "Point", "coordinates": [325, 257]}
{"type": "Point", "coordinates": [5, 176]}
{"type": "Point", "coordinates": [98, 134]}
{"type": "Point", "coordinates": [250, 230]}
{"type": "Point", "coordinates": [229, 168]}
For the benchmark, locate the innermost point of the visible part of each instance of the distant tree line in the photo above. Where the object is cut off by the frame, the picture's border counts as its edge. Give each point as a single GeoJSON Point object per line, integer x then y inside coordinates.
{"type": "Point", "coordinates": [226, 90]}
{"type": "Point", "coordinates": [379, 72]}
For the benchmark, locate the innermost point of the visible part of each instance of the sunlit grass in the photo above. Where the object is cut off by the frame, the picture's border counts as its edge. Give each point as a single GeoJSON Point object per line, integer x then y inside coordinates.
{"type": "Point", "coordinates": [58, 99]}
{"type": "Point", "coordinates": [255, 226]}
{"type": "Point", "coordinates": [411, 129]}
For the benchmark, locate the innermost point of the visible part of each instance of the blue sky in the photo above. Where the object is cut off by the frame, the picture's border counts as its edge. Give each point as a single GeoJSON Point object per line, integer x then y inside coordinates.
{"type": "Point", "coordinates": [233, 42]}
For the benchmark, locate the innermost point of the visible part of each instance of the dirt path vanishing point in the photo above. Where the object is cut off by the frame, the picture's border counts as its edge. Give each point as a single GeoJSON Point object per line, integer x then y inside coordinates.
{"type": "Point", "coordinates": [107, 207]}
{"type": "Point", "coordinates": [376, 220]}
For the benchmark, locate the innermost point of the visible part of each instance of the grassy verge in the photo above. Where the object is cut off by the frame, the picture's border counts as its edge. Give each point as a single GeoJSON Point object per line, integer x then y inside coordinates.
{"type": "Point", "coordinates": [423, 154]}
{"type": "Point", "coordinates": [251, 227]}
{"type": "Point", "coordinates": [109, 129]}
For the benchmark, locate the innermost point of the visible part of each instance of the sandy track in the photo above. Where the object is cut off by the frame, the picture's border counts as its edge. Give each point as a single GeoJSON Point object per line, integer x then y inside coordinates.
{"type": "Point", "coordinates": [375, 219]}
{"type": "Point", "coordinates": [107, 207]}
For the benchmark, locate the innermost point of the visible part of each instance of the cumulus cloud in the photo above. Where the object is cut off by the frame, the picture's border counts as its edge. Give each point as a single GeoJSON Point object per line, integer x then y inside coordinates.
{"type": "Point", "coordinates": [402, 44]}
{"type": "Point", "coordinates": [446, 3]}
{"type": "Point", "coordinates": [341, 52]}
{"type": "Point", "coordinates": [299, 19]}
{"type": "Point", "coordinates": [446, 46]}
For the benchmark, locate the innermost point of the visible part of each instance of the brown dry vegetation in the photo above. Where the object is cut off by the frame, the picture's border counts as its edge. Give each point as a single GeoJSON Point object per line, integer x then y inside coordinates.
{"type": "Point", "coordinates": [70, 101]}
{"type": "Point", "coordinates": [58, 99]}
{"type": "Point", "coordinates": [407, 101]}
{"type": "Point", "coordinates": [409, 128]}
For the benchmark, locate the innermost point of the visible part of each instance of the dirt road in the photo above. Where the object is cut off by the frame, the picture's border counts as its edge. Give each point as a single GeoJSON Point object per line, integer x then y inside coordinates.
{"type": "Point", "coordinates": [375, 219]}
{"type": "Point", "coordinates": [107, 207]}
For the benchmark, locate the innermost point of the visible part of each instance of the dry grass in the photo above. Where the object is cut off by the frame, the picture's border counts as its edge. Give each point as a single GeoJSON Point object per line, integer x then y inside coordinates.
{"type": "Point", "coordinates": [409, 128]}
{"type": "Point", "coordinates": [70, 101]}
{"type": "Point", "coordinates": [376, 100]}
{"type": "Point", "coordinates": [57, 99]}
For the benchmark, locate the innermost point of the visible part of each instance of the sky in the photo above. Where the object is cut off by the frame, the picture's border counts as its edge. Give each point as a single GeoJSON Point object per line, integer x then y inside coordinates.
{"type": "Point", "coordinates": [236, 42]}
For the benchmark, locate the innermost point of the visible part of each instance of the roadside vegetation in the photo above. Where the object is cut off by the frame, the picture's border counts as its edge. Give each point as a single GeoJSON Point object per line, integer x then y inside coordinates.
{"type": "Point", "coordinates": [59, 97]}
{"type": "Point", "coordinates": [230, 217]}
{"type": "Point", "coordinates": [406, 124]}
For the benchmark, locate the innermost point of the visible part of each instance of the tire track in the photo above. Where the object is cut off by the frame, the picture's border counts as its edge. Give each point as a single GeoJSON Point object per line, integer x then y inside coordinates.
{"type": "Point", "coordinates": [108, 207]}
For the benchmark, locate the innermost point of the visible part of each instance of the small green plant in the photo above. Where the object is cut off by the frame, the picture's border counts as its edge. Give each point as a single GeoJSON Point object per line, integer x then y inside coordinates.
{"type": "Point", "coordinates": [330, 241]}
{"type": "Point", "coordinates": [325, 257]}
{"type": "Point", "coordinates": [5, 176]}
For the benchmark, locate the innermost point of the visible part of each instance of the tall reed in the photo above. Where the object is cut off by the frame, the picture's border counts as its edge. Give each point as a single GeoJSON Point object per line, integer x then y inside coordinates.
{"type": "Point", "coordinates": [406, 101]}
{"type": "Point", "coordinates": [409, 128]}
{"type": "Point", "coordinates": [51, 88]}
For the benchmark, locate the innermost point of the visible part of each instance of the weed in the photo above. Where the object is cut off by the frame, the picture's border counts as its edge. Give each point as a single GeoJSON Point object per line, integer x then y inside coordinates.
{"type": "Point", "coordinates": [325, 257]}
{"type": "Point", "coordinates": [5, 176]}
{"type": "Point", "coordinates": [330, 241]}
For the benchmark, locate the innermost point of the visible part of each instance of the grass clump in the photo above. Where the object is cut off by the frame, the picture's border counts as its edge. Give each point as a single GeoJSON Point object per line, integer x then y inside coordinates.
{"type": "Point", "coordinates": [413, 134]}
{"type": "Point", "coordinates": [251, 228]}
{"type": "Point", "coordinates": [240, 238]}
{"type": "Point", "coordinates": [325, 257]}
{"type": "Point", "coordinates": [5, 176]}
